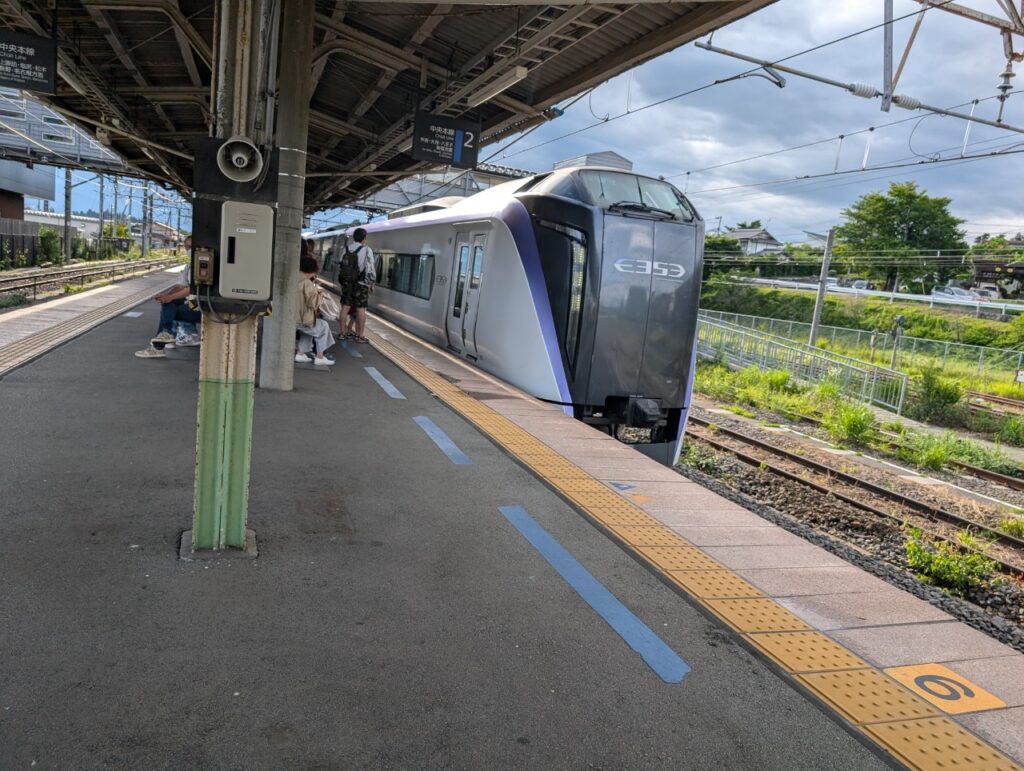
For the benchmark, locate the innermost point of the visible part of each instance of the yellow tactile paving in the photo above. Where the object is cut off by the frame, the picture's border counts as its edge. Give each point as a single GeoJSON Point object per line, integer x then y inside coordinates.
{"type": "Point", "coordinates": [947, 690]}
{"type": "Point", "coordinates": [679, 558]}
{"type": "Point", "coordinates": [714, 584]}
{"type": "Point", "coordinates": [866, 696]}
{"type": "Point", "coordinates": [938, 744]}
{"type": "Point", "coordinates": [757, 615]}
{"type": "Point", "coordinates": [648, 535]}
{"type": "Point", "coordinates": [806, 652]}
{"type": "Point", "coordinates": [863, 695]}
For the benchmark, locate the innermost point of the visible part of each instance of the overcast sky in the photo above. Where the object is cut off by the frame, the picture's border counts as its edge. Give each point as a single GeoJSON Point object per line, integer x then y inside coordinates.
{"type": "Point", "coordinates": [953, 62]}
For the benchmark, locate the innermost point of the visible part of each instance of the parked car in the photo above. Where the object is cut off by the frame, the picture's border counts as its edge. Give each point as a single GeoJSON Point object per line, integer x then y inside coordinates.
{"type": "Point", "coordinates": [961, 294]}
{"type": "Point", "coordinates": [943, 291]}
{"type": "Point", "coordinates": [985, 295]}
{"type": "Point", "coordinates": [861, 284]}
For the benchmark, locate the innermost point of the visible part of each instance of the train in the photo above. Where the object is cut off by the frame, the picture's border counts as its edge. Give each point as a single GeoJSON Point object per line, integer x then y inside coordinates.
{"type": "Point", "coordinates": [579, 286]}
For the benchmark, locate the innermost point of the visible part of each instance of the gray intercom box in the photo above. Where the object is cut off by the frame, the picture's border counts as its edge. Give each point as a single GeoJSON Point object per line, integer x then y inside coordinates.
{"type": "Point", "coordinates": [246, 251]}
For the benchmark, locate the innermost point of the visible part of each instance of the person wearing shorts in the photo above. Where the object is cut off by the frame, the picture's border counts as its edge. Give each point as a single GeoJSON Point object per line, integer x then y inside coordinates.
{"type": "Point", "coordinates": [356, 277]}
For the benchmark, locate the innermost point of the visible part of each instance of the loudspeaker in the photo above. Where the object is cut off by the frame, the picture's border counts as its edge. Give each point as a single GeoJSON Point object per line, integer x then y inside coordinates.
{"type": "Point", "coordinates": [239, 160]}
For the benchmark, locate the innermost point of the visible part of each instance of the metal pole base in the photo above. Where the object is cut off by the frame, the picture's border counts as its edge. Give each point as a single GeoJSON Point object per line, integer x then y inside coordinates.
{"type": "Point", "coordinates": [186, 554]}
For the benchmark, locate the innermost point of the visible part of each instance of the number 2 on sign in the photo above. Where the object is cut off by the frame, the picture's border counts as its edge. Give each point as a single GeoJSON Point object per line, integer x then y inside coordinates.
{"type": "Point", "coordinates": [469, 140]}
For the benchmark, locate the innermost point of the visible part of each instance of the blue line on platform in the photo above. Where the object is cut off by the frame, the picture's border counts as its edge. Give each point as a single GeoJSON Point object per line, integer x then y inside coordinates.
{"type": "Point", "coordinates": [352, 351]}
{"type": "Point", "coordinates": [665, 662]}
{"type": "Point", "coordinates": [441, 439]}
{"type": "Point", "coordinates": [384, 383]}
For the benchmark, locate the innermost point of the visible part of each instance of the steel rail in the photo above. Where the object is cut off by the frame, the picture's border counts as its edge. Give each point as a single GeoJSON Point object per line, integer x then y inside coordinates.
{"type": "Point", "coordinates": [33, 281]}
{"type": "Point", "coordinates": [921, 507]}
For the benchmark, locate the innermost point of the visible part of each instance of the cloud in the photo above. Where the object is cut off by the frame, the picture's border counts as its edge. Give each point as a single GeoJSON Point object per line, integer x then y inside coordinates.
{"type": "Point", "coordinates": [953, 62]}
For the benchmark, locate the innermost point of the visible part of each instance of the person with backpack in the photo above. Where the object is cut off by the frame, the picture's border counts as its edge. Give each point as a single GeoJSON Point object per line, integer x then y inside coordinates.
{"type": "Point", "coordinates": [356, 276]}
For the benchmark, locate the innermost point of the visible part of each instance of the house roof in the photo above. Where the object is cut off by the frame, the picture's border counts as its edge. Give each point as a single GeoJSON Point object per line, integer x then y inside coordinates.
{"type": "Point", "coordinates": [752, 234]}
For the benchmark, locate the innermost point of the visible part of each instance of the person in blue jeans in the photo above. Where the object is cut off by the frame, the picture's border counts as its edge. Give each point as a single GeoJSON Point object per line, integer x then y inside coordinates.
{"type": "Point", "coordinates": [173, 310]}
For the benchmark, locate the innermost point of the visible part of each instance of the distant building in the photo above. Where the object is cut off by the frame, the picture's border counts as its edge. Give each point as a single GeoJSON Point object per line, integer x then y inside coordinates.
{"type": "Point", "coordinates": [608, 159]}
{"type": "Point", "coordinates": [755, 240]}
{"type": "Point", "coordinates": [86, 227]}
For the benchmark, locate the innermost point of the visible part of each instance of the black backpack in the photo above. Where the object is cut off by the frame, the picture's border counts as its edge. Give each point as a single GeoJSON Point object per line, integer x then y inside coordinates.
{"type": "Point", "coordinates": [348, 269]}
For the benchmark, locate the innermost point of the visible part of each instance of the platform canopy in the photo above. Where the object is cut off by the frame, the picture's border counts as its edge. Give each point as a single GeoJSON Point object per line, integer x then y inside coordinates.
{"type": "Point", "coordinates": [138, 72]}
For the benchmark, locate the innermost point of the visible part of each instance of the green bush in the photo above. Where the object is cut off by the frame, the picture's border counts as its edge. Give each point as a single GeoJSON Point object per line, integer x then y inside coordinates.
{"type": "Point", "coordinates": [1012, 431]}
{"type": "Point", "coordinates": [849, 422]}
{"type": "Point", "coordinates": [942, 564]}
{"type": "Point", "coordinates": [50, 248]}
{"type": "Point", "coordinates": [936, 399]}
{"type": "Point", "coordinates": [13, 300]}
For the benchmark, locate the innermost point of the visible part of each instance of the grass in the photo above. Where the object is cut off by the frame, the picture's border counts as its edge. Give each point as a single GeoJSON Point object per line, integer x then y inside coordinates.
{"type": "Point", "coordinates": [1012, 526]}
{"type": "Point", "coordinates": [72, 289]}
{"type": "Point", "coordinates": [693, 457]}
{"type": "Point", "coordinates": [936, 451]}
{"type": "Point", "coordinates": [850, 422]}
{"type": "Point", "coordinates": [13, 300]}
{"type": "Point", "coordinates": [1012, 431]}
{"type": "Point", "coordinates": [741, 411]}
{"type": "Point", "coordinates": [943, 564]}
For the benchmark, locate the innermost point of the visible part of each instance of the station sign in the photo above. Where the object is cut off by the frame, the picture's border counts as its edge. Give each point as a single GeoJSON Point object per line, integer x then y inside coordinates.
{"type": "Point", "coordinates": [28, 62]}
{"type": "Point", "coordinates": [448, 141]}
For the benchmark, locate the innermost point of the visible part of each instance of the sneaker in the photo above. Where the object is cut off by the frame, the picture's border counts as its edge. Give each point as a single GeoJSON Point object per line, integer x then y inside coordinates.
{"type": "Point", "coordinates": [187, 341]}
{"type": "Point", "coordinates": [302, 358]}
{"type": "Point", "coordinates": [150, 353]}
{"type": "Point", "coordinates": [164, 337]}
{"type": "Point", "coordinates": [324, 361]}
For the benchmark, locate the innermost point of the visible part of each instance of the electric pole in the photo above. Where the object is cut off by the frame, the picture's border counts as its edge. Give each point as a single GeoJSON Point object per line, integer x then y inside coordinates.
{"type": "Point", "coordinates": [99, 237]}
{"type": "Point", "coordinates": [822, 286]}
{"type": "Point", "coordinates": [67, 215]}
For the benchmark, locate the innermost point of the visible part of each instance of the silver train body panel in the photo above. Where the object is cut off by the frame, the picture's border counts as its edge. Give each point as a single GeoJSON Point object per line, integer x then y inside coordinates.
{"type": "Point", "coordinates": [582, 304]}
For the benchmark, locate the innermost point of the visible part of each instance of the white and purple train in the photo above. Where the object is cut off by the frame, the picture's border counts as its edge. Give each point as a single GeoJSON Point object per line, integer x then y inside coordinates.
{"type": "Point", "coordinates": [579, 286]}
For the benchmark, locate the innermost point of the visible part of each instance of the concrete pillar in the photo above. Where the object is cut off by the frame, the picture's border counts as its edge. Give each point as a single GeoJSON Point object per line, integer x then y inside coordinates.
{"type": "Point", "coordinates": [277, 360]}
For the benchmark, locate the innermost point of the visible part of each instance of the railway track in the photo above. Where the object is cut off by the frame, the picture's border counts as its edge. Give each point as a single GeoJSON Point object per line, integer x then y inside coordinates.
{"type": "Point", "coordinates": [922, 508]}
{"type": "Point", "coordinates": [35, 281]}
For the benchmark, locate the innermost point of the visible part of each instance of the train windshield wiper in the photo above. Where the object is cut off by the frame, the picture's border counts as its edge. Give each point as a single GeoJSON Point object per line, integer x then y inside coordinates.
{"type": "Point", "coordinates": [642, 207]}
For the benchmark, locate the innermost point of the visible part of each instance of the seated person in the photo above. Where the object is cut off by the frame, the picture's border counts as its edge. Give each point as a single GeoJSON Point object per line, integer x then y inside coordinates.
{"type": "Point", "coordinates": [312, 328]}
{"type": "Point", "coordinates": [172, 310]}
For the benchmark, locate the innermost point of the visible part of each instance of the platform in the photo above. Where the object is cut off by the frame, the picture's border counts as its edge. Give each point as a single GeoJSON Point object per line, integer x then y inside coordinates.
{"type": "Point", "coordinates": [418, 598]}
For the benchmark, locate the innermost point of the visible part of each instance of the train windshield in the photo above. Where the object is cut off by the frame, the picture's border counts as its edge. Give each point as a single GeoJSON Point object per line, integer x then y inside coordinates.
{"type": "Point", "coordinates": [629, 193]}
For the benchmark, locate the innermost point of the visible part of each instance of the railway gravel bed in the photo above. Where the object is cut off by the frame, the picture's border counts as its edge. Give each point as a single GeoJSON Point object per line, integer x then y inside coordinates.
{"type": "Point", "coordinates": [868, 541]}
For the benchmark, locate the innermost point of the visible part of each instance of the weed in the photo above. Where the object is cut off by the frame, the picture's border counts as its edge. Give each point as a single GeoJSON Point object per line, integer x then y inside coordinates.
{"type": "Point", "coordinates": [72, 289]}
{"type": "Point", "coordinates": [937, 400]}
{"type": "Point", "coordinates": [943, 564]}
{"type": "Point", "coordinates": [13, 300]}
{"type": "Point", "coordinates": [1012, 431]}
{"type": "Point", "coordinates": [692, 456]}
{"type": "Point", "coordinates": [974, 541]}
{"type": "Point", "coordinates": [895, 427]}
{"type": "Point", "coordinates": [935, 451]}
{"type": "Point", "coordinates": [1012, 526]}
{"type": "Point", "coordinates": [849, 422]}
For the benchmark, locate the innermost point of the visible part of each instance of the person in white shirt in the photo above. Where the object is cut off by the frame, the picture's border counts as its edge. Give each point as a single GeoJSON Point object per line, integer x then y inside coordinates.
{"type": "Point", "coordinates": [356, 277]}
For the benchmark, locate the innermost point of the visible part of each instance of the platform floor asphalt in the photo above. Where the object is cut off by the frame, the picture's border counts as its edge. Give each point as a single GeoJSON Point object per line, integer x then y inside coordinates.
{"type": "Point", "coordinates": [394, 618]}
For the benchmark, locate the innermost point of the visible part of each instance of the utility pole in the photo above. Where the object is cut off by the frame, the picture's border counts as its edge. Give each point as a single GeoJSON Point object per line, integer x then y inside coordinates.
{"type": "Point", "coordinates": [277, 361]}
{"type": "Point", "coordinates": [826, 260]}
{"type": "Point", "coordinates": [117, 212]}
{"type": "Point", "coordinates": [67, 215]}
{"type": "Point", "coordinates": [99, 237]}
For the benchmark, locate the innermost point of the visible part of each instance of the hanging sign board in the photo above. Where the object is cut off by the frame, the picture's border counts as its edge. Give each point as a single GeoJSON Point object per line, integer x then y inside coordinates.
{"type": "Point", "coordinates": [449, 141]}
{"type": "Point", "coordinates": [28, 62]}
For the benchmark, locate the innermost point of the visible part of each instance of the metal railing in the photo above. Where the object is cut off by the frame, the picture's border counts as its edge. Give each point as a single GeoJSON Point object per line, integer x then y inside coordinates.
{"type": "Point", "coordinates": [741, 346]}
{"type": "Point", "coordinates": [911, 351]}
{"type": "Point", "coordinates": [33, 281]}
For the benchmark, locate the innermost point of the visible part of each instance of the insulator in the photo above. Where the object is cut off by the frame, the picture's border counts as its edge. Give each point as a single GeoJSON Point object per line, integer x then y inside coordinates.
{"type": "Point", "coordinates": [906, 102]}
{"type": "Point", "coordinates": [862, 90]}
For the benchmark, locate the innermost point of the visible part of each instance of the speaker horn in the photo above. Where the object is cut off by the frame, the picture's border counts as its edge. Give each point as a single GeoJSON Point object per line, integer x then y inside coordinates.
{"type": "Point", "coordinates": [239, 160]}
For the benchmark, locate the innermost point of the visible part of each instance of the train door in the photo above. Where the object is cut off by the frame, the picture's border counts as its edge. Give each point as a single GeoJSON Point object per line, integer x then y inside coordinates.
{"type": "Point", "coordinates": [467, 275]}
{"type": "Point", "coordinates": [457, 298]}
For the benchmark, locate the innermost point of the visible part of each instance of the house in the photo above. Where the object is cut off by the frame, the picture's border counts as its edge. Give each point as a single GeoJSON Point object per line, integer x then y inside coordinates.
{"type": "Point", "coordinates": [755, 240]}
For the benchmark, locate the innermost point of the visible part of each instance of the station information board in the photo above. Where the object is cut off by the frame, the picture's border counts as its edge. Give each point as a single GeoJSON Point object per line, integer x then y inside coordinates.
{"type": "Point", "coordinates": [450, 141]}
{"type": "Point", "coordinates": [28, 62]}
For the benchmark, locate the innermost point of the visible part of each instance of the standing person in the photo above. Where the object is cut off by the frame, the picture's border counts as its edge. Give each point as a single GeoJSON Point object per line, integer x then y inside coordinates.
{"type": "Point", "coordinates": [356, 276]}
{"type": "Point", "coordinates": [311, 327]}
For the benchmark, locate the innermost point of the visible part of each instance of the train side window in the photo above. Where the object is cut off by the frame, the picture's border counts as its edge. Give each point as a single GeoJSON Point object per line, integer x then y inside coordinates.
{"type": "Point", "coordinates": [411, 274]}
{"type": "Point", "coordinates": [478, 266]}
{"type": "Point", "coordinates": [460, 284]}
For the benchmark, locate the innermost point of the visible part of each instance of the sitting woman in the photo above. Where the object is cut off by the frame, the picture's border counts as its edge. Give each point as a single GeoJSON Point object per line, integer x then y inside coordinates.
{"type": "Point", "coordinates": [312, 328]}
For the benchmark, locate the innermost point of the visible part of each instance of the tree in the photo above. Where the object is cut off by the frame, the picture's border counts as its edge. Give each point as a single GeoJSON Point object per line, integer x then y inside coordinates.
{"type": "Point", "coordinates": [50, 247]}
{"type": "Point", "coordinates": [718, 245]}
{"type": "Point", "coordinates": [747, 225]}
{"type": "Point", "coordinates": [122, 230]}
{"type": "Point", "coordinates": [905, 226]}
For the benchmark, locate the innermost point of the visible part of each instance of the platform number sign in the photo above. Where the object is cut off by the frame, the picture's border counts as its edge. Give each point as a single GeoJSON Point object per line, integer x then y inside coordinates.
{"type": "Point", "coordinates": [449, 141]}
{"type": "Point", "coordinates": [943, 688]}
{"type": "Point", "coordinates": [28, 62]}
